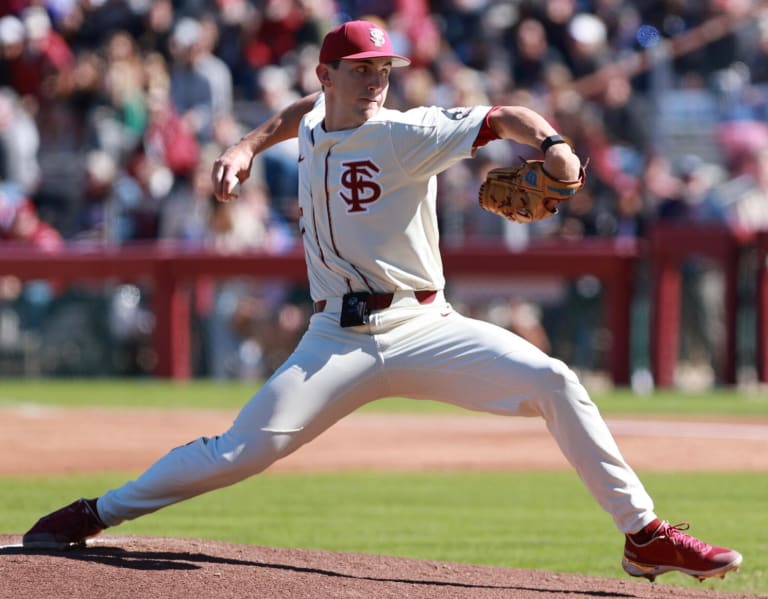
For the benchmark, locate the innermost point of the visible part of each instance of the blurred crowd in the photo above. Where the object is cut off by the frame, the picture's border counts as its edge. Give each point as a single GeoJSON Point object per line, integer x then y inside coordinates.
{"type": "Point", "coordinates": [112, 112]}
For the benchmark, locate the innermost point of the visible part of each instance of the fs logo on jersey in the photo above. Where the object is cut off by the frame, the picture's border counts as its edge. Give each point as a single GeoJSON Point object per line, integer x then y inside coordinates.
{"type": "Point", "coordinates": [456, 114]}
{"type": "Point", "coordinates": [377, 37]}
{"type": "Point", "coordinates": [359, 178]}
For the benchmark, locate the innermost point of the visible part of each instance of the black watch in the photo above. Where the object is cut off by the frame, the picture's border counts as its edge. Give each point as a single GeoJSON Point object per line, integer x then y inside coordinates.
{"type": "Point", "coordinates": [551, 141]}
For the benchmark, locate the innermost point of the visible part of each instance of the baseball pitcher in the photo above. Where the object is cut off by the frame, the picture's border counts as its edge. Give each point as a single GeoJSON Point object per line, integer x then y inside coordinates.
{"type": "Point", "coordinates": [381, 325]}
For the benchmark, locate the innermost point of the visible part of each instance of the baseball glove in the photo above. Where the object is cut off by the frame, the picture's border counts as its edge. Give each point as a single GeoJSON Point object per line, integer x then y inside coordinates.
{"type": "Point", "coordinates": [526, 193]}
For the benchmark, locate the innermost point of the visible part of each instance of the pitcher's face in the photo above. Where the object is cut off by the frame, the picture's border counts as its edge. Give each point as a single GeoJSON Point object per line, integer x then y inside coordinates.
{"type": "Point", "coordinates": [355, 91]}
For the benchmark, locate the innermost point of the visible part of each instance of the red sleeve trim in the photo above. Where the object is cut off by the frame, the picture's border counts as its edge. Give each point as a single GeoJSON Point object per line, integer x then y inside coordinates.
{"type": "Point", "coordinates": [486, 133]}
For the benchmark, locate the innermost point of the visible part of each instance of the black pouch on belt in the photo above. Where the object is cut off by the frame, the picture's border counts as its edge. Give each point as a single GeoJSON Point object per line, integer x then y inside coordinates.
{"type": "Point", "coordinates": [354, 309]}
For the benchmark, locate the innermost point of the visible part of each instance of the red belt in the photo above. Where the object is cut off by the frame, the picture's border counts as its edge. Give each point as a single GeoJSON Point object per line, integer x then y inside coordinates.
{"type": "Point", "coordinates": [380, 301]}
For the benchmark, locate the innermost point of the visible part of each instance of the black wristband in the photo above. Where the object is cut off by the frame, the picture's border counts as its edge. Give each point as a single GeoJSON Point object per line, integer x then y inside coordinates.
{"type": "Point", "coordinates": [551, 141]}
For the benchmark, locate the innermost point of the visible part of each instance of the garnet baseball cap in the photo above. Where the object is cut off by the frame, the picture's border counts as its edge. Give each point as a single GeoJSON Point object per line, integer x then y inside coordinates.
{"type": "Point", "coordinates": [357, 40]}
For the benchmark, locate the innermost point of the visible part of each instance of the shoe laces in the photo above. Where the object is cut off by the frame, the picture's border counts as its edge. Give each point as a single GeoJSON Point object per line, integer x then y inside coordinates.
{"type": "Point", "coordinates": [674, 532]}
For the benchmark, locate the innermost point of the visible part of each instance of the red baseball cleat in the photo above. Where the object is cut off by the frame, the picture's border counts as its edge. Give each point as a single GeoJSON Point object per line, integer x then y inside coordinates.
{"type": "Point", "coordinates": [66, 528]}
{"type": "Point", "coordinates": [666, 548]}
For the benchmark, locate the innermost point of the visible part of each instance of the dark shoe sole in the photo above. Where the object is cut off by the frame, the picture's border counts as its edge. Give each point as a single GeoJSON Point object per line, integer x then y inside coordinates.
{"type": "Point", "coordinates": [52, 545]}
{"type": "Point", "coordinates": [650, 571]}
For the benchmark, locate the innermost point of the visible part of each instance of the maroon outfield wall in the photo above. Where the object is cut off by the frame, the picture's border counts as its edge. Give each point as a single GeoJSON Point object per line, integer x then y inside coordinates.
{"type": "Point", "coordinates": [172, 271]}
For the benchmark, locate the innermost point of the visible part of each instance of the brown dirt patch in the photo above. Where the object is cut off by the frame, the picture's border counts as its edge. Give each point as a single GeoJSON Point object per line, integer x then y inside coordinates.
{"type": "Point", "coordinates": [48, 441]}
{"type": "Point", "coordinates": [182, 568]}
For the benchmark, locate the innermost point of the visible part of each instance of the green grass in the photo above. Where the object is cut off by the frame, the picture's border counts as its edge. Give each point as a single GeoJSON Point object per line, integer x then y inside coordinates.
{"type": "Point", "coordinates": [544, 521]}
{"type": "Point", "coordinates": [232, 395]}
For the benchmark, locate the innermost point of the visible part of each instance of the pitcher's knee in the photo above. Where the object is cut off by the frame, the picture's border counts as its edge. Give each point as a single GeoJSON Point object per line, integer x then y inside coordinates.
{"type": "Point", "coordinates": [248, 455]}
{"type": "Point", "coordinates": [558, 377]}
{"type": "Point", "coordinates": [559, 386]}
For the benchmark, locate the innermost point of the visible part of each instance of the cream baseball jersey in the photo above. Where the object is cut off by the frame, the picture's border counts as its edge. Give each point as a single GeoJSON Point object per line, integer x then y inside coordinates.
{"type": "Point", "coordinates": [367, 197]}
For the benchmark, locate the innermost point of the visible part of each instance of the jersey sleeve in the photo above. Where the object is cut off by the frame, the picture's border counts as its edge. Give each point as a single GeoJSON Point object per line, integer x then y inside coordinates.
{"type": "Point", "coordinates": [486, 133]}
{"type": "Point", "coordinates": [432, 139]}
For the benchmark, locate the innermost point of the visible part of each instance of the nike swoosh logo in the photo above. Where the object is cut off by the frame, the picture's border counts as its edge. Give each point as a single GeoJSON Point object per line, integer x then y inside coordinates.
{"type": "Point", "coordinates": [301, 158]}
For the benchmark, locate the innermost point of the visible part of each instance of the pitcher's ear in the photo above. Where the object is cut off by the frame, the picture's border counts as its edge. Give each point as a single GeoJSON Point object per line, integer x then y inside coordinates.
{"type": "Point", "coordinates": [323, 72]}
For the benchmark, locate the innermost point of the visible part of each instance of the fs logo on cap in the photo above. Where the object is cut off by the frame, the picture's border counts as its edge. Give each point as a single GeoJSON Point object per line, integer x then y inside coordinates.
{"type": "Point", "coordinates": [359, 40]}
{"type": "Point", "coordinates": [377, 36]}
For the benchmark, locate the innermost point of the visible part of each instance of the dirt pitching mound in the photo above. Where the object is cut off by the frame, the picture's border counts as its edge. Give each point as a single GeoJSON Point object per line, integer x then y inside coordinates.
{"type": "Point", "coordinates": [148, 568]}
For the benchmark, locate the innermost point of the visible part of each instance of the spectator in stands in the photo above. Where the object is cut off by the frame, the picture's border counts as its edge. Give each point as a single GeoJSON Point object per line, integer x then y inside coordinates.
{"type": "Point", "coordinates": [213, 68]}
{"type": "Point", "coordinates": [88, 103]}
{"type": "Point", "coordinates": [191, 87]}
{"type": "Point", "coordinates": [695, 199]}
{"type": "Point", "coordinates": [24, 304]}
{"type": "Point", "coordinates": [755, 53]}
{"type": "Point", "coordinates": [621, 19]}
{"type": "Point", "coordinates": [155, 35]}
{"type": "Point", "coordinates": [749, 211]}
{"type": "Point", "coordinates": [414, 33]}
{"type": "Point", "coordinates": [275, 35]}
{"type": "Point", "coordinates": [11, 48]}
{"type": "Point", "coordinates": [45, 61]}
{"type": "Point", "coordinates": [281, 29]}
{"type": "Point", "coordinates": [19, 143]}
{"type": "Point", "coordinates": [630, 216]}
{"type": "Point", "coordinates": [124, 82]}
{"type": "Point", "coordinates": [169, 140]}
{"type": "Point", "coordinates": [165, 161]}
{"type": "Point", "coordinates": [624, 113]}
{"type": "Point", "coordinates": [587, 43]}
{"type": "Point", "coordinates": [186, 213]}
{"type": "Point", "coordinates": [20, 223]}
{"type": "Point", "coordinates": [556, 16]}
{"type": "Point", "coordinates": [464, 30]}
{"type": "Point", "coordinates": [532, 57]}
{"type": "Point", "coordinates": [110, 197]}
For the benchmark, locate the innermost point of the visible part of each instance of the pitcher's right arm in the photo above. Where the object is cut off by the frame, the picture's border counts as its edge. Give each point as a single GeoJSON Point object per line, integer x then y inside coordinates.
{"type": "Point", "coordinates": [233, 166]}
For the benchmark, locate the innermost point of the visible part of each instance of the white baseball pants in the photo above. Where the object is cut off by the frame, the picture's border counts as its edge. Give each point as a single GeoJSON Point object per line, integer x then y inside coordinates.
{"type": "Point", "coordinates": [407, 350]}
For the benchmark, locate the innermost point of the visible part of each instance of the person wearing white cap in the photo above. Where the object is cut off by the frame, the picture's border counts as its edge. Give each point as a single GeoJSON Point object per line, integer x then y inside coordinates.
{"type": "Point", "coordinates": [382, 325]}
{"type": "Point", "coordinates": [37, 60]}
{"type": "Point", "coordinates": [11, 47]}
{"type": "Point", "coordinates": [11, 30]}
